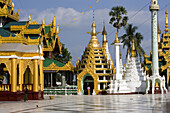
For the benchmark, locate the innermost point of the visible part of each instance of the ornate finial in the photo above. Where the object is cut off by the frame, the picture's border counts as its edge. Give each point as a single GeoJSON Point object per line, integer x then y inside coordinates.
{"type": "Point", "coordinates": [159, 32]}
{"type": "Point", "coordinates": [29, 18]}
{"type": "Point", "coordinates": [116, 40]}
{"type": "Point", "coordinates": [43, 23]}
{"type": "Point", "coordinates": [54, 22]}
{"type": "Point", "coordinates": [104, 33]}
{"type": "Point", "coordinates": [104, 30]}
{"type": "Point", "coordinates": [166, 23]}
{"type": "Point", "coordinates": [13, 5]}
{"type": "Point", "coordinates": [133, 53]}
{"type": "Point", "coordinates": [93, 26]}
{"type": "Point", "coordinates": [57, 29]}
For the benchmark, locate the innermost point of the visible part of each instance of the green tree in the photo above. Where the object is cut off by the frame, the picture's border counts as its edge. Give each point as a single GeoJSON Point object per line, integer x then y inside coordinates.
{"type": "Point", "coordinates": [127, 40]}
{"type": "Point", "coordinates": [118, 17]}
{"type": "Point", "coordinates": [64, 57]}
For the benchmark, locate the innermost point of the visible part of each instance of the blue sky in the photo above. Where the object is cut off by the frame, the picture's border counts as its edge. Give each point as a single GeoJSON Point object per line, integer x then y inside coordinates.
{"type": "Point", "coordinates": [74, 35]}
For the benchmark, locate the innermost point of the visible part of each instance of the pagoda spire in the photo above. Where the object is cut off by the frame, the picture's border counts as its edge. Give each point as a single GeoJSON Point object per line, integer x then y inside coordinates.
{"type": "Point", "coordinates": [29, 18]}
{"type": "Point", "coordinates": [166, 23]}
{"type": "Point", "coordinates": [43, 23]}
{"type": "Point", "coordinates": [104, 33]}
{"type": "Point", "coordinates": [133, 53]}
{"type": "Point", "coordinates": [54, 24]}
{"type": "Point", "coordinates": [93, 42]}
{"type": "Point", "coordinates": [116, 39]}
{"type": "Point", "coordinates": [93, 26]}
{"type": "Point", "coordinates": [12, 6]}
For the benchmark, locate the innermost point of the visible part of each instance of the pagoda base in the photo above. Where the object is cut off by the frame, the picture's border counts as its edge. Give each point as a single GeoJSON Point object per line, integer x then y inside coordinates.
{"type": "Point", "coordinates": [118, 87]}
{"type": "Point", "coordinates": [18, 96]}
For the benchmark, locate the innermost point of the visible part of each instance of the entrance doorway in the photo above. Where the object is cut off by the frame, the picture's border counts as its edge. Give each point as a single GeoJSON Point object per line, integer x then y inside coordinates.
{"type": "Point", "coordinates": [88, 84]}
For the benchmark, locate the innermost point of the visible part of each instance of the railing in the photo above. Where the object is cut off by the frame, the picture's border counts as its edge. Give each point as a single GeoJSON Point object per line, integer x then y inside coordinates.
{"type": "Point", "coordinates": [67, 90]}
{"type": "Point", "coordinates": [5, 87]}
{"type": "Point", "coordinates": [29, 87]}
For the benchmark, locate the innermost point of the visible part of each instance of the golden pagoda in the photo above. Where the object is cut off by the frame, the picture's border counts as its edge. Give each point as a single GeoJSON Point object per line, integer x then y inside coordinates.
{"type": "Point", "coordinates": [164, 54]}
{"type": "Point", "coordinates": [95, 68]}
{"type": "Point", "coordinates": [26, 50]}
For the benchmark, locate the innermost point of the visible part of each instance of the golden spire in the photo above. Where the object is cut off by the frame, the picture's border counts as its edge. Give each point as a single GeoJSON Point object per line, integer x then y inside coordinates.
{"type": "Point", "coordinates": [43, 23]}
{"type": "Point", "coordinates": [57, 31]}
{"type": "Point", "coordinates": [116, 40]}
{"type": "Point", "coordinates": [13, 6]}
{"type": "Point", "coordinates": [54, 24]}
{"type": "Point", "coordinates": [104, 33]}
{"type": "Point", "coordinates": [104, 30]}
{"type": "Point", "coordinates": [93, 26]}
{"type": "Point", "coordinates": [133, 53]}
{"type": "Point", "coordinates": [166, 23]}
{"type": "Point", "coordinates": [93, 42]}
{"type": "Point", "coordinates": [29, 18]}
{"type": "Point", "coordinates": [159, 40]}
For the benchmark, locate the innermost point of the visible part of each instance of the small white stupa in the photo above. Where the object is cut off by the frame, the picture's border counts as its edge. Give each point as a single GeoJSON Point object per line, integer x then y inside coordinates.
{"type": "Point", "coordinates": [134, 75]}
{"type": "Point", "coordinates": [118, 85]}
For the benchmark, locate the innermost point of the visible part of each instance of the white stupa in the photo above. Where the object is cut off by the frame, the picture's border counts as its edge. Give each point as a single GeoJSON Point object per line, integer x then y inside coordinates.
{"type": "Point", "coordinates": [118, 85]}
{"type": "Point", "coordinates": [134, 75]}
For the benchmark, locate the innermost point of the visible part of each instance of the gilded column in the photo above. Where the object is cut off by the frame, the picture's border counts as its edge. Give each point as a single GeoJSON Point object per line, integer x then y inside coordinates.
{"type": "Point", "coordinates": [20, 75]}
{"type": "Point", "coordinates": [35, 75]}
{"type": "Point", "coordinates": [13, 75]}
{"type": "Point", "coordinates": [41, 74]}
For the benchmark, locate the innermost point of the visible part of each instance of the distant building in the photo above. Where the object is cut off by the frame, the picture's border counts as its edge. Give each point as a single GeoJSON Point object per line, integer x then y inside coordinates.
{"type": "Point", "coordinates": [26, 50]}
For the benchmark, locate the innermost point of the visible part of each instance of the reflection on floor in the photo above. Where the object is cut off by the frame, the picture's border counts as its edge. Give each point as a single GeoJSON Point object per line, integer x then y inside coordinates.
{"type": "Point", "coordinates": [92, 104]}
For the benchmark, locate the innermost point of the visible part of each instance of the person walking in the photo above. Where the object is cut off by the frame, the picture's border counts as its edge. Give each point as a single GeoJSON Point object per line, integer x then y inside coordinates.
{"type": "Point", "coordinates": [25, 94]}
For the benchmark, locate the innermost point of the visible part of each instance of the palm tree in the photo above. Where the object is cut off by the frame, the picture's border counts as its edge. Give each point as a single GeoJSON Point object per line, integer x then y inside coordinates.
{"type": "Point", "coordinates": [127, 40]}
{"type": "Point", "coordinates": [118, 18]}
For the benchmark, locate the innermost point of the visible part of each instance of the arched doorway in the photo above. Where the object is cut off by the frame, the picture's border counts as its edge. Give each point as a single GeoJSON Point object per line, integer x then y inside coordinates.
{"type": "Point", "coordinates": [28, 78]}
{"type": "Point", "coordinates": [4, 75]}
{"type": "Point", "coordinates": [86, 83]}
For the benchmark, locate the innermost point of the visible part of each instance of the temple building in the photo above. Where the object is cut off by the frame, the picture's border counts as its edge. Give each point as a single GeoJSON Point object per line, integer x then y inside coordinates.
{"type": "Point", "coordinates": [95, 68]}
{"type": "Point", "coordinates": [26, 51]}
{"type": "Point", "coordinates": [164, 54]}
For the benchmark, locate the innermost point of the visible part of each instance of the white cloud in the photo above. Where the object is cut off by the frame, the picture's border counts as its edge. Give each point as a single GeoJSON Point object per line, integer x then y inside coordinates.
{"type": "Point", "coordinates": [74, 36]}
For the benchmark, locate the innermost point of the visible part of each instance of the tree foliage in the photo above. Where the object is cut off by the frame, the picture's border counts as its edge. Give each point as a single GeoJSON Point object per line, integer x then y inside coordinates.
{"type": "Point", "coordinates": [128, 37]}
{"type": "Point", "coordinates": [64, 57]}
{"type": "Point", "coordinates": [118, 17]}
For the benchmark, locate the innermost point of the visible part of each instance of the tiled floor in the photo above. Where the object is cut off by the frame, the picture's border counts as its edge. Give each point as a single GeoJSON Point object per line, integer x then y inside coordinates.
{"type": "Point", "coordinates": [92, 104]}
